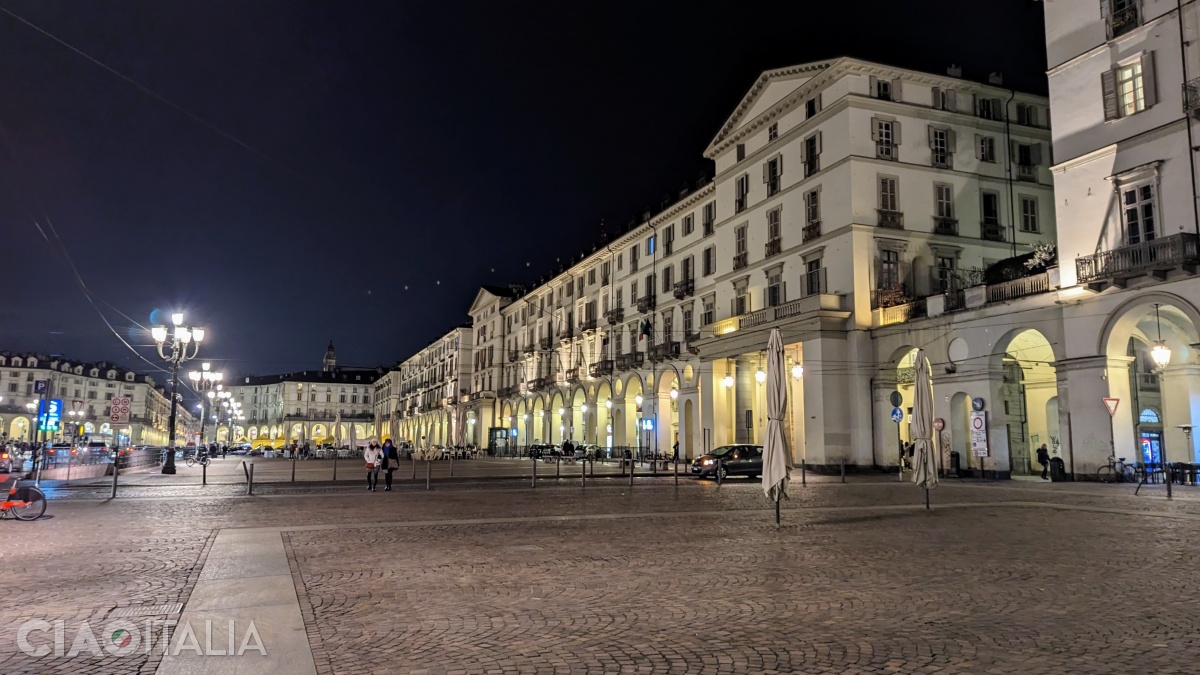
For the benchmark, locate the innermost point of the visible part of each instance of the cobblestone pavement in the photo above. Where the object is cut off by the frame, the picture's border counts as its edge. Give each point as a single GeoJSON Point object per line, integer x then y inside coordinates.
{"type": "Point", "coordinates": [654, 578]}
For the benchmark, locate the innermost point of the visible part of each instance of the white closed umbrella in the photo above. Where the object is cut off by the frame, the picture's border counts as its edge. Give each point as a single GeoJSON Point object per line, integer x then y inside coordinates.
{"type": "Point", "coordinates": [925, 471]}
{"type": "Point", "coordinates": [777, 460]}
{"type": "Point", "coordinates": [337, 431]}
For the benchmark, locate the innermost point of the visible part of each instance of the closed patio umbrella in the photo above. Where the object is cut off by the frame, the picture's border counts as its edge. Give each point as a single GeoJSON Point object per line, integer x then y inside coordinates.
{"type": "Point", "coordinates": [777, 460]}
{"type": "Point", "coordinates": [925, 471]}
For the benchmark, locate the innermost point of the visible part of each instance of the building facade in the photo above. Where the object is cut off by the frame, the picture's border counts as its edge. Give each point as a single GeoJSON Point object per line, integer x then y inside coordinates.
{"type": "Point", "coordinates": [85, 389]}
{"type": "Point", "coordinates": [312, 406]}
{"type": "Point", "coordinates": [424, 399]}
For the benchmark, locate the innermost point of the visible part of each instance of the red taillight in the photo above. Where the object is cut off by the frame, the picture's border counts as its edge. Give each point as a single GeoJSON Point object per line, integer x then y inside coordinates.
{"type": "Point", "coordinates": [4, 455]}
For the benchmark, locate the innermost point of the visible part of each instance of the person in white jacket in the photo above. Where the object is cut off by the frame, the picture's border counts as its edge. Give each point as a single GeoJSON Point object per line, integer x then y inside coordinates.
{"type": "Point", "coordinates": [373, 457]}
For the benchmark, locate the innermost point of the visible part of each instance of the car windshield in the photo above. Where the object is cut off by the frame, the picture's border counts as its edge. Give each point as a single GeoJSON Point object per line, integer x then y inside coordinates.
{"type": "Point", "coordinates": [722, 451]}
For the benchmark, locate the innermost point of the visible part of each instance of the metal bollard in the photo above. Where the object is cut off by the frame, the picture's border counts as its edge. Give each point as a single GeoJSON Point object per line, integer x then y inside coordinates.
{"type": "Point", "coordinates": [583, 472]}
{"type": "Point", "coordinates": [718, 473]}
{"type": "Point", "coordinates": [428, 472]}
{"type": "Point", "coordinates": [631, 473]}
{"type": "Point", "coordinates": [250, 481]}
{"type": "Point", "coordinates": [203, 473]}
{"type": "Point", "coordinates": [843, 469]}
{"type": "Point", "coordinates": [533, 481]}
{"type": "Point", "coordinates": [676, 465]}
{"type": "Point", "coordinates": [116, 470]}
{"type": "Point", "coordinates": [414, 461]}
{"type": "Point", "coordinates": [335, 467]}
{"type": "Point", "coordinates": [1170, 479]}
{"type": "Point", "coordinates": [293, 468]}
{"type": "Point", "coordinates": [557, 466]}
{"type": "Point", "coordinates": [654, 466]}
{"type": "Point", "coordinates": [803, 472]}
{"type": "Point", "coordinates": [69, 469]}
{"type": "Point", "coordinates": [451, 466]}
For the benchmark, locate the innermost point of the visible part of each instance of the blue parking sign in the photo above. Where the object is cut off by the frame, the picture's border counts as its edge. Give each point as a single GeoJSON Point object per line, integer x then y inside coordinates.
{"type": "Point", "coordinates": [897, 415]}
{"type": "Point", "coordinates": [39, 387]}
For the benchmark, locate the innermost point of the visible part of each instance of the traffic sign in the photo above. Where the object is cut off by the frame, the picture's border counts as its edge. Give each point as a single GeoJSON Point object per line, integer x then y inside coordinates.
{"type": "Point", "coordinates": [979, 444]}
{"type": "Point", "coordinates": [119, 411]}
{"type": "Point", "coordinates": [895, 399]}
{"type": "Point", "coordinates": [1111, 404]}
{"type": "Point", "coordinates": [897, 415]}
{"type": "Point", "coordinates": [39, 387]}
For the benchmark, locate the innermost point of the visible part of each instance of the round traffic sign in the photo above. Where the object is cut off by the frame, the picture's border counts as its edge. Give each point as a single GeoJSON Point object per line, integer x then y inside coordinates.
{"type": "Point", "coordinates": [895, 399]}
{"type": "Point", "coordinates": [977, 422]}
{"type": "Point", "coordinates": [897, 415]}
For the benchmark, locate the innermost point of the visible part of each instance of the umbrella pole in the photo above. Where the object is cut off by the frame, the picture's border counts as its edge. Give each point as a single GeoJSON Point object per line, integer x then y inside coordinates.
{"type": "Point", "coordinates": [926, 499]}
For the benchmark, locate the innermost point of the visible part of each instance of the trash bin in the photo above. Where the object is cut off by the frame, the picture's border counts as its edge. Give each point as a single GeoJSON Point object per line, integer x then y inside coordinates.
{"type": "Point", "coordinates": [1058, 470]}
{"type": "Point", "coordinates": [954, 462]}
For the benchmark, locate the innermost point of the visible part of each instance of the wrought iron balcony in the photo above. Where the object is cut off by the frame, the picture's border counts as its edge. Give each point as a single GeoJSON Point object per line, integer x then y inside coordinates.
{"type": "Point", "coordinates": [1157, 257]}
{"type": "Point", "coordinates": [528, 349]}
{"type": "Point", "coordinates": [1018, 288]}
{"type": "Point", "coordinates": [684, 288]}
{"type": "Point", "coordinates": [1123, 21]}
{"type": "Point", "coordinates": [513, 355]}
{"type": "Point", "coordinates": [1191, 98]}
{"type": "Point", "coordinates": [572, 375]}
{"type": "Point", "coordinates": [992, 232]}
{"type": "Point", "coordinates": [691, 338]}
{"type": "Point", "coordinates": [741, 260]}
{"type": "Point", "coordinates": [565, 333]}
{"type": "Point", "coordinates": [646, 303]}
{"type": "Point", "coordinates": [774, 247]}
{"type": "Point", "coordinates": [587, 324]}
{"type": "Point", "coordinates": [890, 219]}
{"type": "Point", "coordinates": [631, 360]}
{"type": "Point", "coordinates": [664, 351]}
{"type": "Point", "coordinates": [812, 231]}
{"type": "Point", "coordinates": [536, 384]}
{"type": "Point", "coordinates": [602, 368]}
{"type": "Point", "coordinates": [546, 343]}
{"type": "Point", "coordinates": [615, 315]}
{"type": "Point", "coordinates": [942, 225]}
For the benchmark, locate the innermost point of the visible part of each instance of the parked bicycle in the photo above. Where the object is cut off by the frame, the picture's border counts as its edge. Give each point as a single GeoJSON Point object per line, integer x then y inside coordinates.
{"type": "Point", "coordinates": [1116, 471]}
{"type": "Point", "coordinates": [24, 503]}
{"type": "Point", "coordinates": [200, 458]}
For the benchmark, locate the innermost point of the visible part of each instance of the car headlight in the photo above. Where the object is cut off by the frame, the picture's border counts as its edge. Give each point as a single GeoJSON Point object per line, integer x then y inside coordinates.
{"type": "Point", "coordinates": [707, 462]}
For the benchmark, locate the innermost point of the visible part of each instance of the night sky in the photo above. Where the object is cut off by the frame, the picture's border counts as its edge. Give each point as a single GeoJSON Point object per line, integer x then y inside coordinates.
{"type": "Point", "coordinates": [379, 148]}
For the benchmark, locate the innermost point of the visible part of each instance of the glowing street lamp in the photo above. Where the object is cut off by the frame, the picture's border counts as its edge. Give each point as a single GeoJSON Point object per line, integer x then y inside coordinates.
{"type": "Point", "coordinates": [181, 344]}
{"type": "Point", "coordinates": [205, 380]}
{"type": "Point", "coordinates": [1160, 353]}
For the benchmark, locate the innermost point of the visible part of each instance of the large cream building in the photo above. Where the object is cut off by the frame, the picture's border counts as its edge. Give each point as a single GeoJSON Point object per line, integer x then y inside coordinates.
{"type": "Point", "coordinates": [423, 400]}
{"type": "Point", "coordinates": [85, 388]}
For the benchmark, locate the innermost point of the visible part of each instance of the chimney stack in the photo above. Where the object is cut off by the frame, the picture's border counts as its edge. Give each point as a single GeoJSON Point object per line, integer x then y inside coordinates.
{"type": "Point", "coordinates": [954, 70]}
{"type": "Point", "coordinates": [996, 79]}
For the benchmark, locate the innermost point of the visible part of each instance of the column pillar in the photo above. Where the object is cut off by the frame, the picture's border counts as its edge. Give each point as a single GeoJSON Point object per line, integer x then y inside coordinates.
{"type": "Point", "coordinates": [1180, 388]}
{"type": "Point", "coordinates": [1083, 383]}
{"type": "Point", "coordinates": [743, 400]}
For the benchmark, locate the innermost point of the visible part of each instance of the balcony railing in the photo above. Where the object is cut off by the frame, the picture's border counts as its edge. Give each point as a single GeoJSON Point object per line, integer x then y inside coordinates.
{"type": "Point", "coordinates": [812, 231]}
{"type": "Point", "coordinates": [741, 260]}
{"type": "Point", "coordinates": [664, 351]}
{"type": "Point", "coordinates": [505, 392]}
{"type": "Point", "coordinates": [646, 303]}
{"type": "Point", "coordinates": [513, 355]}
{"type": "Point", "coordinates": [774, 247]}
{"type": "Point", "coordinates": [992, 232]}
{"type": "Point", "coordinates": [1191, 98]}
{"type": "Point", "coordinates": [602, 368]}
{"type": "Point", "coordinates": [1127, 262]}
{"type": "Point", "coordinates": [615, 315]}
{"type": "Point", "coordinates": [572, 375]}
{"type": "Point", "coordinates": [536, 384]}
{"type": "Point", "coordinates": [631, 360]}
{"type": "Point", "coordinates": [1026, 172]}
{"type": "Point", "coordinates": [1123, 21]}
{"type": "Point", "coordinates": [890, 219]}
{"type": "Point", "coordinates": [564, 333]}
{"type": "Point", "coordinates": [691, 338]}
{"type": "Point", "coordinates": [587, 324]}
{"type": "Point", "coordinates": [529, 348]}
{"type": "Point", "coordinates": [546, 343]}
{"type": "Point", "coordinates": [901, 313]}
{"type": "Point", "coordinates": [684, 288]}
{"type": "Point", "coordinates": [1018, 288]}
{"type": "Point", "coordinates": [942, 225]}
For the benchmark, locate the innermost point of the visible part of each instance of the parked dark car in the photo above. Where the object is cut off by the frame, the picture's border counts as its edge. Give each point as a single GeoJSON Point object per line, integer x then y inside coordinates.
{"type": "Point", "coordinates": [736, 460]}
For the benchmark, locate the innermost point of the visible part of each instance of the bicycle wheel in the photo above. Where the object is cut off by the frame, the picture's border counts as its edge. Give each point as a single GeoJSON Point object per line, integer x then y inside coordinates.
{"type": "Point", "coordinates": [205, 461]}
{"type": "Point", "coordinates": [1129, 474]}
{"type": "Point", "coordinates": [1106, 474]}
{"type": "Point", "coordinates": [191, 461]}
{"type": "Point", "coordinates": [34, 503]}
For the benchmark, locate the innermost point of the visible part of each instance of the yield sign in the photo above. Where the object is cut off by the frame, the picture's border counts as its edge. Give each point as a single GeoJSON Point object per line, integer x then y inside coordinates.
{"type": "Point", "coordinates": [1111, 404]}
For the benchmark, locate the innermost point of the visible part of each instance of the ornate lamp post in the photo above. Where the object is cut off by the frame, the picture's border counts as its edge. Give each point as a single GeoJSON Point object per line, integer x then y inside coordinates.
{"type": "Point", "coordinates": [181, 344]}
{"type": "Point", "coordinates": [203, 381]}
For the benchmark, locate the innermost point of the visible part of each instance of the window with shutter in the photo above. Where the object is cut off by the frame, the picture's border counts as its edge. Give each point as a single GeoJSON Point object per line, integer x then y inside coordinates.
{"type": "Point", "coordinates": [811, 151]}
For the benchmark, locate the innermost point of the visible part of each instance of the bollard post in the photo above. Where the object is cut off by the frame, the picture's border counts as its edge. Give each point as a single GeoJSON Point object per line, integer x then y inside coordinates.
{"type": "Point", "coordinates": [414, 461]}
{"type": "Point", "coordinates": [533, 481]}
{"type": "Point", "coordinates": [630, 473]}
{"type": "Point", "coordinates": [116, 470]}
{"type": "Point", "coordinates": [843, 469]}
{"type": "Point", "coordinates": [557, 466]}
{"type": "Point", "coordinates": [250, 481]}
{"type": "Point", "coordinates": [203, 474]}
{"type": "Point", "coordinates": [451, 466]}
{"type": "Point", "coordinates": [1170, 479]}
{"type": "Point", "coordinates": [583, 472]}
{"type": "Point", "coordinates": [68, 469]}
{"type": "Point", "coordinates": [676, 465]}
{"type": "Point", "coordinates": [428, 472]}
{"type": "Point", "coordinates": [654, 466]}
{"type": "Point", "coordinates": [335, 466]}
{"type": "Point", "coordinates": [592, 468]}
{"type": "Point", "coordinates": [293, 467]}
{"type": "Point", "coordinates": [803, 472]}
{"type": "Point", "coordinates": [718, 472]}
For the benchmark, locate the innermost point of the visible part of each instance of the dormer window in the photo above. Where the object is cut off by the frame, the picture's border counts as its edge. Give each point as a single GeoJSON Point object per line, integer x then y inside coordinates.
{"type": "Point", "coordinates": [16, 362]}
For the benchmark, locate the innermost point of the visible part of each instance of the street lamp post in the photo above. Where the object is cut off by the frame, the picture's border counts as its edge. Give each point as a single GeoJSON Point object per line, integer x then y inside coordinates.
{"type": "Point", "coordinates": [203, 381]}
{"type": "Point", "coordinates": [174, 349]}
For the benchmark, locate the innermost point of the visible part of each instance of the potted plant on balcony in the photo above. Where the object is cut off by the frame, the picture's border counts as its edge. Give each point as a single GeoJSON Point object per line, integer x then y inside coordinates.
{"type": "Point", "coordinates": [893, 296]}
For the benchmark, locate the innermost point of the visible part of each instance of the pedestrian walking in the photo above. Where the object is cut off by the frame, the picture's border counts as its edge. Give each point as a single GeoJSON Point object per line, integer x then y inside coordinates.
{"type": "Point", "coordinates": [1043, 458]}
{"type": "Point", "coordinates": [373, 458]}
{"type": "Point", "coordinates": [391, 462]}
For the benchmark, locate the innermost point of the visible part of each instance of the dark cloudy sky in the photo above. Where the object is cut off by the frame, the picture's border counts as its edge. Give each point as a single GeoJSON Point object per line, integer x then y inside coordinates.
{"type": "Point", "coordinates": [392, 145]}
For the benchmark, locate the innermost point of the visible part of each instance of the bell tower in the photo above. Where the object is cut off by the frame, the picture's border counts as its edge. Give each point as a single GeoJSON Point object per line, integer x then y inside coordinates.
{"type": "Point", "coordinates": [330, 361]}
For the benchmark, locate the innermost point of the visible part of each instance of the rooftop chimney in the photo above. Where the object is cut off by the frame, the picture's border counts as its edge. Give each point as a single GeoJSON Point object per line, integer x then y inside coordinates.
{"type": "Point", "coordinates": [996, 79]}
{"type": "Point", "coordinates": [954, 70]}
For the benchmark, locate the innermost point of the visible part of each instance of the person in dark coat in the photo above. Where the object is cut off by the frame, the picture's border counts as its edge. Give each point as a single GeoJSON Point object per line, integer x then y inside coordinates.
{"type": "Point", "coordinates": [391, 462]}
{"type": "Point", "coordinates": [1043, 458]}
